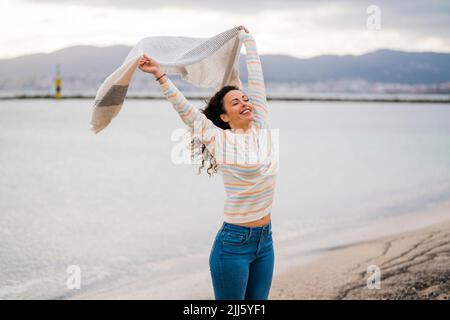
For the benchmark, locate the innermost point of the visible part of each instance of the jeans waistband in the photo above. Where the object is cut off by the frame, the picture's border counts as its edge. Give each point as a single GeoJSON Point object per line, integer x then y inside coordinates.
{"type": "Point", "coordinates": [230, 226]}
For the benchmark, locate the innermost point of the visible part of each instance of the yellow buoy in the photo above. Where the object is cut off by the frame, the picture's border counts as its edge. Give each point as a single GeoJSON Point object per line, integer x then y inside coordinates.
{"type": "Point", "coordinates": [58, 83]}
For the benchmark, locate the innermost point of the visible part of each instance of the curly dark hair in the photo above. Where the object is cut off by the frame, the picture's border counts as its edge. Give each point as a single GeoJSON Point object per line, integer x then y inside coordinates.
{"type": "Point", "coordinates": [214, 108]}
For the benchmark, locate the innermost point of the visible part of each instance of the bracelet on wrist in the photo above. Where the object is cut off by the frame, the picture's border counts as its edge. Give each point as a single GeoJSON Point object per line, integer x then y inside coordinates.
{"type": "Point", "coordinates": [160, 76]}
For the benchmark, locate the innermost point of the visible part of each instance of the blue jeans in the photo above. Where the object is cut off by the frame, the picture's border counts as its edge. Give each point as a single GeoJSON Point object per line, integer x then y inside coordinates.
{"type": "Point", "coordinates": [241, 262]}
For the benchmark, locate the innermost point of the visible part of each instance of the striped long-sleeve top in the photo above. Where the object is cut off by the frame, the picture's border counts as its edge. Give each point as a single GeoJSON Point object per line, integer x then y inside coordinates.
{"type": "Point", "coordinates": [248, 161]}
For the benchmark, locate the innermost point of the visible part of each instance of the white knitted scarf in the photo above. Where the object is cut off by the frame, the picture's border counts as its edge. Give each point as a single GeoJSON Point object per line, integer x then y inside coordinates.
{"type": "Point", "coordinates": [206, 62]}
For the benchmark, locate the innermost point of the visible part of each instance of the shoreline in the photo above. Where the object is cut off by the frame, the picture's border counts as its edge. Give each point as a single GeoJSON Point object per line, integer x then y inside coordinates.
{"type": "Point", "coordinates": [323, 269]}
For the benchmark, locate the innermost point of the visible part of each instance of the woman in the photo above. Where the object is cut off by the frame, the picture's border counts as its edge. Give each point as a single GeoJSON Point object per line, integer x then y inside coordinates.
{"type": "Point", "coordinates": [230, 131]}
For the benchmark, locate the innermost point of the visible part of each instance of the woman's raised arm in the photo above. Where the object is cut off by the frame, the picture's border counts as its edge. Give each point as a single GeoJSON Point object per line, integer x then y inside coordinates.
{"type": "Point", "coordinates": [188, 113]}
{"type": "Point", "coordinates": [256, 87]}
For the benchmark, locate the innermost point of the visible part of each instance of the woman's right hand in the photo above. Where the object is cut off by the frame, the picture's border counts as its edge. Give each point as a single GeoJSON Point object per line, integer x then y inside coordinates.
{"type": "Point", "coordinates": [149, 65]}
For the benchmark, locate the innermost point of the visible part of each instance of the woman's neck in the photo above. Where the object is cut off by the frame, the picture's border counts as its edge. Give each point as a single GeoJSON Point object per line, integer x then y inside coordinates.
{"type": "Point", "coordinates": [242, 130]}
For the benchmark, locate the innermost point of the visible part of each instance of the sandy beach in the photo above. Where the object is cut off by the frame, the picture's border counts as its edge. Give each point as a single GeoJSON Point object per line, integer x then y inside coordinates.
{"type": "Point", "coordinates": [412, 265]}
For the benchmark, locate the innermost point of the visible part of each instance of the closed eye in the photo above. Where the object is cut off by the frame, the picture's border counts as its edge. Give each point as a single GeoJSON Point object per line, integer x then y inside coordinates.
{"type": "Point", "coordinates": [235, 101]}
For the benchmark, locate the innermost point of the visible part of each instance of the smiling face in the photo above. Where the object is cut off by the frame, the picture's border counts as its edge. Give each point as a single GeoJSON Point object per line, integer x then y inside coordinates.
{"type": "Point", "coordinates": [239, 110]}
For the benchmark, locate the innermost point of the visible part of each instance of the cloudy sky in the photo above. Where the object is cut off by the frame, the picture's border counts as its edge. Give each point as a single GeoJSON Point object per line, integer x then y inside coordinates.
{"type": "Point", "coordinates": [294, 27]}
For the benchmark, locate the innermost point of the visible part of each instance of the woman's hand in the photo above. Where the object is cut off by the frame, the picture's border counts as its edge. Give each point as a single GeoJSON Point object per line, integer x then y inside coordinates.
{"type": "Point", "coordinates": [243, 28]}
{"type": "Point", "coordinates": [244, 33]}
{"type": "Point", "coordinates": [149, 65]}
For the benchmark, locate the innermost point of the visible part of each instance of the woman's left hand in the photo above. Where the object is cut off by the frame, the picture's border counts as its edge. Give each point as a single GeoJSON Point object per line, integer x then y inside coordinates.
{"type": "Point", "coordinates": [243, 28]}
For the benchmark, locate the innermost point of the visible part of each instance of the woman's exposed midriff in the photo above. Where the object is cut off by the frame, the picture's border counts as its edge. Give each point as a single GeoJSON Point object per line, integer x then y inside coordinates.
{"type": "Point", "coordinates": [257, 223]}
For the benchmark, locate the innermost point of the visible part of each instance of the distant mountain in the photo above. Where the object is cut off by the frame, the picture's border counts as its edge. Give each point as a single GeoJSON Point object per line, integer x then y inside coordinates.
{"type": "Point", "coordinates": [83, 68]}
{"type": "Point", "coordinates": [378, 66]}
